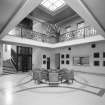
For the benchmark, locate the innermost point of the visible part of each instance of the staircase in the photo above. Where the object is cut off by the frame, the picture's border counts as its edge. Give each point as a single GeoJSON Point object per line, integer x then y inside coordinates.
{"type": "Point", "coordinates": [8, 67]}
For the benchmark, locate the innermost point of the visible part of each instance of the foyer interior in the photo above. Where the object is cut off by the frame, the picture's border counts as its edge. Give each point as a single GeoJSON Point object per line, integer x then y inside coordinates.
{"type": "Point", "coordinates": [52, 52]}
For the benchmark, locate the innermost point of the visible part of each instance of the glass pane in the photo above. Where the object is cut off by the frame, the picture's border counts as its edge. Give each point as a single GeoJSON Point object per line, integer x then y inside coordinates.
{"type": "Point", "coordinates": [62, 56]}
{"type": "Point", "coordinates": [19, 49]}
{"type": "Point", "coordinates": [54, 1]}
{"type": "Point", "coordinates": [47, 4]}
{"type": "Point", "coordinates": [103, 63]}
{"type": "Point", "coordinates": [19, 62]}
{"type": "Point", "coordinates": [67, 62]}
{"type": "Point", "coordinates": [30, 50]}
{"type": "Point", "coordinates": [103, 54]}
{"type": "Point", "coordinates": [26, 50]}
{"type": "Point", "coordinates": [61, 1]}
{"type": "Point", "coordinates": [96, 55]}
{"type": "Point", "coordinates": [59, 4]}
{"type": "Point", "coordinates": [52, 7]}
{"type": "Point", "coordinates": [80, 25]}
{"type": "Point", "coordinates": [44, 62]}
{"type": "Point", "coordinates": [29, 63]}
{"type": "Point", "coordinates": [96, 63]}
{"type": "Point", "coordinates": [43, 1]}
{"type": "Point", "coordinates": [62, 62]}
{"type": "Point", "coordinates": [23, 50]}
{"type": "Point", "coordinates": [67, 55]}
{"type": "Point", "coordinates": [84, 60]}
{"type": "Point", "coordinates": [44, 56]}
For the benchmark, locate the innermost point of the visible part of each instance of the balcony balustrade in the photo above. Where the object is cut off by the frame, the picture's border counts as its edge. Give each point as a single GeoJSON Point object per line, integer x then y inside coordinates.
{"type": "Point", "coordinates": [76, 34]}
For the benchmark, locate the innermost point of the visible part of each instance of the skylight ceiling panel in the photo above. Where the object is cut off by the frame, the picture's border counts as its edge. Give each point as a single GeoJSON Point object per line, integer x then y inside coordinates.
{"type": "Point", "coordinates": [52, 5]}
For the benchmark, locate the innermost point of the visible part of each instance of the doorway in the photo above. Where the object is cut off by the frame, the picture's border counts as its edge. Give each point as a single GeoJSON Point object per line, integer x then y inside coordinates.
{"type": "Point", "coordinates": [48, 62]}
{"type": "Point", "coordinates": [57, 61]}
{"type": "Point", "coordinates": [24, 58]}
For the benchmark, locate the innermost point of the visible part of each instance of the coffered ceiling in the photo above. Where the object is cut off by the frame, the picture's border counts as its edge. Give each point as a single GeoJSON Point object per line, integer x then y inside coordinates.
{"type": "Point", "coordinates": [52, 17]}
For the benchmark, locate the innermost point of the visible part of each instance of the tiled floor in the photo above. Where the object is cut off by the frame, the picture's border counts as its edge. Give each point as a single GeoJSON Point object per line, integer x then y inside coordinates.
{"type": "Point", "coordinates": [20, 89]}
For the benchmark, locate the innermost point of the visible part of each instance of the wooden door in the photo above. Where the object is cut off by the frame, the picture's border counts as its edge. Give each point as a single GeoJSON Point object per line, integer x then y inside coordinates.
{"type": "Point", "coordinates": [57, 61]}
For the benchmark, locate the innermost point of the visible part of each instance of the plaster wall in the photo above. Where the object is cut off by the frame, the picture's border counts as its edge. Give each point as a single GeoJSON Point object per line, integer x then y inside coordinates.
{"type": "Point", "coordinates": [84, 50]}
{"type": "Point", "coordinates": [1, 57]}
{"type": "Point", "coordinates": [78, 50]}
{"type": "Point", "coordinates": [6, 52]}
{"type": "Point", "coordinates": [37, 57]}
{"type": "Point", "coordinates": [40, 27]}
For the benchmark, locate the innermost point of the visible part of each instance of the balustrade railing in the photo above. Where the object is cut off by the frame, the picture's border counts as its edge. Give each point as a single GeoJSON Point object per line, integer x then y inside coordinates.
{"type": "Point", "coordinates": [14, 58]}
{"type": "Point", "coordinates": [79, 33]}
{"type": "Point", "coordinates": [76, 34]}
{"type": "Point", "coordinates": [33, 35]}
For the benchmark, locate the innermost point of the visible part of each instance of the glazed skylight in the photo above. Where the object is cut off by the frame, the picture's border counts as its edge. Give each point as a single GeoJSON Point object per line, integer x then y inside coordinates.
{"type": "Point", "coordinates": [53, 5]}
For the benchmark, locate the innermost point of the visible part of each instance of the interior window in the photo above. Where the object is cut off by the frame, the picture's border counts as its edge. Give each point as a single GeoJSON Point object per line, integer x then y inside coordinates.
{"type": "Point", "coordinates": [44, 62]}
{"type": "Point", "coordinates": [62, 62]}
{"type": "Point", "coordinates": [103, 63]}
{"type": "Point", "coordinates": [81, 60]}
{"type": "Point", "coordinates": [96, 55]}
{"type": "Point", "coordinates": [80, 31]}
{"type": "Point", "coordinates": [81, 25]}
{"type": "Point", "coordinates": [62, 56]}
{"type": "Point", "coordinates": [96, 63]}
{"type": "Point", "coordinates": [67, 55]}
{"type": "Point", "coordinates": [103, 54]}
{"type": "Point", "coordinates": [44, 56]}
{"type": "Point", "coordinates": [67, 62]}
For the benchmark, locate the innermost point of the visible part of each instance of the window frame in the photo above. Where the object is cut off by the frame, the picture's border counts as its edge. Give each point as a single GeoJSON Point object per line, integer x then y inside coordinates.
{"type": "Point", "coordinates": [79, 61]}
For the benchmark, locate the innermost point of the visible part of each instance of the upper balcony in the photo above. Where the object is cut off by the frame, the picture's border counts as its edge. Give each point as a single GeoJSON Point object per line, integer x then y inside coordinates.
{"type": "Point", "coordinates": [20, 36]}
{"type": "Point", "coordinates": [81, 33]}
{"type": "Point", "coordinates": [33, 35]}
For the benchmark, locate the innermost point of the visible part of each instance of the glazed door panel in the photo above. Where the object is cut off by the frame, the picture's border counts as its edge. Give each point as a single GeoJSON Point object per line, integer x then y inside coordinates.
{"type": "Point", "coordinates": [48, 62]}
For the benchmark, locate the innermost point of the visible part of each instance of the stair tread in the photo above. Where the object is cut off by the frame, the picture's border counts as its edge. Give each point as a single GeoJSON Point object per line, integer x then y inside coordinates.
{"type": "Point", "coordinates": [8, 67]}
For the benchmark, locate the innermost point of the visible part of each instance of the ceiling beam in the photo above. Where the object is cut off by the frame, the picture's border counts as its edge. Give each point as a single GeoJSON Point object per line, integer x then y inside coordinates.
{"type": "Point", "coordinates": [35, 19]}
{"type": "Point", "coordinates": [79, 7]}
{"type": "Point", "coordinates": [25, 9]}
